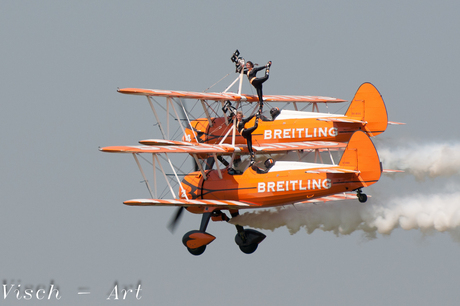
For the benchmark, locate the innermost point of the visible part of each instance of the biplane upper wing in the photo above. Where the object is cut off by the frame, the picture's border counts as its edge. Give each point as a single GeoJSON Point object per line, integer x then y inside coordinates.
{"type": "Point", "coordinates": [226, 96]}
{"type": "Point", "coordinates": [221, 204]}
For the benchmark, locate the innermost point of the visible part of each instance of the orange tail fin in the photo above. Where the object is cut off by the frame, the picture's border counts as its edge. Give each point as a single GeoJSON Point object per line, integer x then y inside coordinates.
{"type": "Point", "coordinates": [367, 105]}
{"type": "Point", "coordinates": [361, 155]}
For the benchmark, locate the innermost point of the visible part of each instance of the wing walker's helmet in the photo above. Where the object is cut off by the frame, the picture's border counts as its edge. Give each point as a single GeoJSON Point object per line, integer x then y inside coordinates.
{"type": "Point", "coordinates": [274, 112]}
{"type": "Point", "coordinates": [269, 163]}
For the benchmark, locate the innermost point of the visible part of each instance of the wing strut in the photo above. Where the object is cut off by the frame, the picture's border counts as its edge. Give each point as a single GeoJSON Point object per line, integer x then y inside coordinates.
{"type": "Point", "coordinates": [207, 112]}
{"type": "Point", "coordinates": [143, 175]}
{"type": "Point", "coordinates": [216, 161]}
{"type": "Point", "coordinates": [330, 155]}
{"type": "Point", "coordinates": [188, 120]}
{"type": "Point", "coordinates": [154, 175]}
{"type": "Point", "coordinates": [166, 178]}
{"type": "Point", "coordinates": [184, 193]}
{"type": "Point", "coordinates": [169, 100]}
{"type": "Point", "coordinates": [156, 116]}
{"type": "Point", "coordinates": [200, 166]}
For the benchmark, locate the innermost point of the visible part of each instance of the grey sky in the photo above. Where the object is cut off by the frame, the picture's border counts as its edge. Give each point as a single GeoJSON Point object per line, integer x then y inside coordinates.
{"type": "Point", "coordinates": [62, 214]}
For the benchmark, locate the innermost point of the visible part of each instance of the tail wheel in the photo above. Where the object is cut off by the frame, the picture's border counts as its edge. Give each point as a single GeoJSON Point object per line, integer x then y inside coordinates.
{"type": "Point", "coordinates": [362, 197]}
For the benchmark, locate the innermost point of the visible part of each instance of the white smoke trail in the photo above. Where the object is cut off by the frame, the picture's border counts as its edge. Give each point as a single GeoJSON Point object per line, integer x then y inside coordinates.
{"type": "Point", "coordinates": [428, 160]}
{"type": "Point", "coordinates": [427, 213]}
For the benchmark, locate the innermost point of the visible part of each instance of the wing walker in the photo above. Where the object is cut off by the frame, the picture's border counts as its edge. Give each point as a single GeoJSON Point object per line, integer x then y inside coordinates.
{"type": "Point", "coordinates": [228, 175]}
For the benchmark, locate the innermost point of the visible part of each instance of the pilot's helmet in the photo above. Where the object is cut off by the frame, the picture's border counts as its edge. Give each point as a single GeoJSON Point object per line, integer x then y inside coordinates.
{"type": "Point", "coordinates": [269, 163]}
{"type": "Point", "coordinates": [274, 112]}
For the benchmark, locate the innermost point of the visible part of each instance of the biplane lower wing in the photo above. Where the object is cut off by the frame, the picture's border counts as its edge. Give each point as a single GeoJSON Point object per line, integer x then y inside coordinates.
{"type": "Point", "coordinates": [182, 147]}
{"type": "Point", "coordinates": [162, 142]}
{"type": "Point", "coordinates": [198, 149]}
{"type": "Point", "coordinates": [228, 96]}
{"type": "Point", "coordinates": [221, 204]}
{"type": "Point", "coordinates": [305, 145]}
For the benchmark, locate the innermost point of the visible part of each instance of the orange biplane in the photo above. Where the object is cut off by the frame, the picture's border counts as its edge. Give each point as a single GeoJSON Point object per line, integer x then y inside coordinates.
{"type": "Point", "coordinates": [367, 112]}
{"type": "Point", "coordinates": [211, 191]}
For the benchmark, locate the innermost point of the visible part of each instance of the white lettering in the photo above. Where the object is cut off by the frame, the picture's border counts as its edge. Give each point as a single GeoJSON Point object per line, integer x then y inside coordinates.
{"type": "Point", "coordinates": [28, 292]}
{"type": "Point", "coordinates": [261, 187]}
{"type": "Point", "coordinates": [5, 294]}
{"type": "Point", "coordinates": [306, 134]}
{"type": "Point", "coordinates": [300, 132]}
{"type": "Point", "coordinates": [52, 290]}
{"type": "Point", "coordinates": [114, 292]}
{"type": "Point", "coordinates": [286, 133]}
{"type": "Point", "coordinates": [279, 186]}
{"type": "Point", "coordinates": [276, 133]}
{"type": "Point", "coordinates": [137, 293]}
{"type": "Point", "coordinates": [300, 185]}
{"type": "Point", "coordinates": [322, 132]}
{"type": "Point", "coordinates": [333, 132]}
{"type": "Point", "coordinates": [268, 134]}
{"type": "Point", "coordinates": [17, 293]}
{"type": "Point", "coordinates": [316, 184]}
{"type": "Point", "coordinates": [43, 296]}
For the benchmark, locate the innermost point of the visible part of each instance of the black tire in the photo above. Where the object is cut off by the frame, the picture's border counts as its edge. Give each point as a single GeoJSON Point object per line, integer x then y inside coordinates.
{"type": "Point", "coordinates": [362, 197]}
{"type": "Point", "coordinates": [249, 249]}
{"type": "Point", "coordinates": [197, 251]}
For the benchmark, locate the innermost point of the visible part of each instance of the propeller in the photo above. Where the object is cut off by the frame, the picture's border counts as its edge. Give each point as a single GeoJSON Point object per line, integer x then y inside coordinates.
{"type": "Point", "coordinates": [175, 220]}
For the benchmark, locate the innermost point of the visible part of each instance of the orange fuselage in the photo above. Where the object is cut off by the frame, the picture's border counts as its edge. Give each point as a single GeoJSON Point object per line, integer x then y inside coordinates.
{"type": "Point", "coordinates": [269, 189]}
{"type": "Point", "coordinates": [278, 131]}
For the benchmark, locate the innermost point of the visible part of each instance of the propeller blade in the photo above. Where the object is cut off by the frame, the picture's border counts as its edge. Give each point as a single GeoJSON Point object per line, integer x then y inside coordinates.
{"type": "Point", "coordinates": [175, 220]}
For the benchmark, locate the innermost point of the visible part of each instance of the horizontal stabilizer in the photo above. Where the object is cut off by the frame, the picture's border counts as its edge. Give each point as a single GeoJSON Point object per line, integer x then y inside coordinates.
{"type": "Point", "coordinates": [294, 146]}
{"type": "Point", "coordinates": [395, 123]}
{"type": "Point", "coordinates": [392, 171]}
{"type": "Point", "coordinates": [342, 120]}
{"type": "Point", "coordinates": [332, 170]}
{"type": "Point", "coordinates": [222, 204]}
{"type": "Point", "coordinates": [334, 197]}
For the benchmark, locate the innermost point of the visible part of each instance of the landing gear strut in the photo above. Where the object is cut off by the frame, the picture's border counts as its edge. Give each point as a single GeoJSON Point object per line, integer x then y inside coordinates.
{"type": "Point", "coordinates": [362, 197]}
{"type": "Point", "coordinates": [196, 241]}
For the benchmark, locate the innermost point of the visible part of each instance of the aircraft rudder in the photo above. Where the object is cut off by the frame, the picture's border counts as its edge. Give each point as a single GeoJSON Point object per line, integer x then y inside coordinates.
{"type": "Point", "coordinates": [361, 155]}
{"type": "Point", "coordinates": [368, 105]}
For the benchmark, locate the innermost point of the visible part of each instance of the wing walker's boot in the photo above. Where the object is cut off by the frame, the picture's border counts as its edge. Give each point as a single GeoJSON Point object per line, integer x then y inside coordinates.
{"type": "Point", "coordinates": [252, 159]}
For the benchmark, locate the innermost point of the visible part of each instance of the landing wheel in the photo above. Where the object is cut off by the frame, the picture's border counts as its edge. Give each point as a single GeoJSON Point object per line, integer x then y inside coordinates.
{"type": "Point", "coordinates": [197, 251]}
{"type": "Point", "coordinates": [248, 240]}
{"type": "Point", "coordinates": [249, 249]}
{"type": "Point", "coordinates": [362, 197]}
